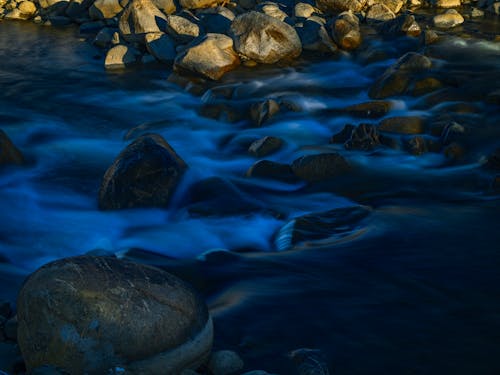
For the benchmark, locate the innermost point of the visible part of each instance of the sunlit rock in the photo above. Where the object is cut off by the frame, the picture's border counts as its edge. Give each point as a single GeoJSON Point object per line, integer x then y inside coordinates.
{"type": "Point", "coordinates": [401, 25]}
{"type": "Point", "coordinates": [210, 56]}
{"type": "Point", "coordinates": [145, 174]}
{"type": "Point", "coordinates": [337, 6]}
{"type": "Point", "coordinates": [181, 29]}
{"type": "Point", "coordinates": [196, 4]}
{"type": "Point", "coordinates": [304, 10]}
{"type": "Point", "coordinates": [264, 39]}
{"type": "Point", "coordinates": [103, 9]}
{"type": "Point", "coordinates": [449, 19]}
{"type": "Point", "coordinates": [346, 32]}
{"type": "Point", "coordinates": [139, 18]}
{"type": "Point", "coordinates": [120, 56]}
{"type": "Point", "coordinates": [379, 12]}
{"type": "Point", "coordinates": [394, 5]}
{"type": "Point", "coordinates": [447, 3]}
{"type": "Point", "coordinates": [94, 314]}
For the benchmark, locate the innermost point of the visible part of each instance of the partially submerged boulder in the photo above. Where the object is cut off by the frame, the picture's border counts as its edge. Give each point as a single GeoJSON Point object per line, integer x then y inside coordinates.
{"type": "Point", "coordinates": [145, 174]}
{"type": "Point", "coordinates": [95, 314]}
{"type": "Point", "coordinates": [320, 167]}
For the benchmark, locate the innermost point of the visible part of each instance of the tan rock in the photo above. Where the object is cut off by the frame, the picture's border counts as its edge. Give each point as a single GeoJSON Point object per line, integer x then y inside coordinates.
{"type": "Point", "coordinates": [449, 19]}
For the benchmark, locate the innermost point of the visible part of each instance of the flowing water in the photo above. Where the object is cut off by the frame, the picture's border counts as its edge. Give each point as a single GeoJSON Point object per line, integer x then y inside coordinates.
{"type": "Point", "coordinates": [411, 289]}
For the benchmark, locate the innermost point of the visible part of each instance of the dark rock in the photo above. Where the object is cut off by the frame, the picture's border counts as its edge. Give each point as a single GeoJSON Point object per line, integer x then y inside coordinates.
{"type": "Point", "coordinates": [272, 170]}
{"type": "Point", "coordinates": [390, 141]}
{"type": "Point", "coordinates": [5, 309]}
{"type": "Point", "coordinates": [9, 153]}
{"type": "Point", "coordinates": [161, 46]}
{"type": "Point", "coordinates": [454, 151]}
{"type": "Point", "coordinates": [344, 135]}
{"type": "Point", "coordinates": [10, 358]}
{"type": "Point", "coordinates": [145, 174]}
{"type": "Point", "coordinates": [320, 167]}
{"type": "Point", "coordinates": [402, 125]}
{"type": "Point", "coordinates": [321, 228]}
{"type": "Point", "coordinates": [225, 362]}
{"type": "Point", "coordinates": [401, 25]}
{"type": "Point", "coordinates": [92, 314]}
{"type": "Point", "coordinates": [416, 145]}
{"type": "Point", "coordinates": [104, 9]}
{"type": "Point", "coordinates": [309, 361]}
{"type": "Point", "coordinates": [314, 37]}
{"type": "Point", "coordinates": [374, 109]}
{"type": "Point", "coordinates": [426, 85]}
{"type": "Point", "coordinates": [217, 21]}
{"type": "Point", "coordinates": [496, 183]}
{"type": "Point", "coordinates": [264, 39]}
{"type": "Point", "coordinates": [10, 329]}
{"type": "Point", "coordinates": [346, 32]}
{"type": "Point", "coordinates": [494, 160]}
{"type": "Point", "coordinates": [265, 146]}
{"type": "Point", "coordinates": [262, 111]}
{"type": "Point", "coordinates": [365, 137]}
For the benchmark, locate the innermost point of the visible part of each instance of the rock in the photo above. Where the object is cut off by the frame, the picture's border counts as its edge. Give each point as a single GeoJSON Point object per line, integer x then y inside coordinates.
{"type": "Point", "coordinates": [401, 25]}
{"type": "Point", "coordinates": [210, 56]}
{"type": "Point", "coordinates": [396, 79]}
{"type": "Point", "coordinates": [161, 46]}
{"type": "Point", "coordinates": [402, 125]}
{"type": "Point", "coordinates": [365, 137]}
{"type": "Point", "coordinates": [139, 18]}
{"type": "Point", "coordinates": [321, 228]}
{"type": "Point", "coordinates": [265, 146]}
{"type": "Point", "coordinates": [494, 160]}
{"type": "Point", "coordinates": [48, 370]}
{"type": "Point", "coordinates": [304, 10]}
{"type": "Point", "coordinates": [10, 359]}
{"type": "Point", "coordinates": [320, 167]}
{"type": "Point", "coordinates": [476, 13]}
{"type": "Point", "coordinates": [454, 152]}
{"type": "Point", "coordinates": [261, 112]}
{"type": "Point", "coordinates": [216, 20]}
{"type": "Point", "coordinates": [273, 10]}
{"type": "Point", "coordinates": [44, 4]}
{"type": "Point", "coordinates": [309, 361]}
{"type": "Point", "coordinates": [59, 21]}
{"type": "Point", "coordinates": [373, 109]}
{"type": "Point", "coordinates": [77, 10]}
{"type": "Point", "coordinates": [449, 19]}
{"type": "Point", "coordinates": [447, 3]}
{"type": "Point", "coordinates": [9, 153]}
{"type": "Point", "coordinates": [225, 362]}
{"type": "Point", "coordinates": [416, 145]}
{"type": "Point", "coordinates": [271, 170]}
{"type": "Point", "coordinates": [345, 31]}
{"type": "Point", "coordinates": [264, 39]}
{"type": "Point", "coordinates": [15, 14]}
{"type": "Point", "coordinates": [166, 6]}
{"type": "Point", "coordinates": [91, 27]}
{"type": "Point", "coordinates": [344, 135]}
{"type": "Point", "coordinates": [5, 309]}
{"type": "Point", "coordinates": [120, 56]}
{"type": "Point", "coordinates": [314, 36]}
{"type": "Point", "coordinates": [10, 329]}
{"type": "Point", "coordinates": [145, 174]}
{"type": "Point", "coordinates": [426, 85]}
{"type": "Point", "coordinates": [91, 314]}
{"type": "Point", "coordinates": [393, 5]}
{"type": "Point", "coordinates": [197, 4]}
{"type": "Point", "coordinates": [27, 8]}
{"type": "Point", "coordinates": [181, 29]}
{"type": "Point", "coordinates": [378, 13]}
{"type": "Point", "coordinates": [104, 9]}
{"type": "Point", "coordinates": [337, 6]}
{"type": "Point", "coordinates": [106, 37]}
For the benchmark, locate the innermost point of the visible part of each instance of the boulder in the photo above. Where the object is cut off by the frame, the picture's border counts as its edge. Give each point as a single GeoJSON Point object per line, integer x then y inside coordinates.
{"type": "Point", "coordinates": [304, 10]}
{"type": "Point", "coordinates": [394, 5]}
{"type": "Point", "coordinates": [273, 10]}
{"type": "Point", "coordinates": [344, 135]}
{"type": "Point", "coordinates": [216, 20]}
{"type": "Point", "coordinates": [447, 3]}
{"type": "Point", "coordinates": [197, 4]}
{"type": "Point", "coordinates": [95, 314]}
{"type": "Point", "coordinates": [365, 138]}
{"type": "Point", "coordinates": [27, 8]}
{"type": "Point", "coordinates": [105, 9]}
{"type": "Point", "coordinates": [402, 125]}
{"type": "Point", "coordinates": [271, 170]}
{"type": "Point", "coordinates": [210, 56]}
{"type": "Point", "coordinates": [225, 362]}
{"type": "Point", "coordinates": [401, 25]}
{"type": "Point", "coordinates": [161, 46]}
{"type": "Point", "coordinates": [107, 36]}
{"type": "Point", "coordinates": [448, 19]}
{"type": "Point", "coordinates": [9, 153]}
{"type": "Point", "coordinates": [265, 146]}
{"type": "Point", "coordinates": [314, 36]}
{"type": "Point", "coordinates": [337, 6]}
{"type": "Point", "coordinates": [264, 39]}
{"type": "Point", "coordinates": [139, 18]}
{"type": "Point", "coordinates": [320, 167]}
{"type": "Point", "coordinates": [346, 32]}
{"type": "Point", "coordinates": [378, 13]}
{"type": "Point", "coordinates": [166, 6]}
{"type": "Point", "coordinates": [120, 56]}
{"type": "Point", "coordinates": [145, 174]}
{"type": "Point", "coordinates": [181, 29]}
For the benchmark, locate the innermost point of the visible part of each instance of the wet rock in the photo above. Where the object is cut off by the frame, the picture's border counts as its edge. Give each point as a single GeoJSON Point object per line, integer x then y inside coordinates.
{"type": "Point", "coordinates": [494, 160]}
{"type": "Point", "coordinates": [365, 137]}
{"type": "Point", "coordinates": [10, 329]}
{"type": "Point", "coordinates": [314, 36]}
{"type": "Point", "coordinates": [58, 21]}
{"type": "Point", "coordinates": [210, 56]}
{"type": "Point", "coordinates": [416, 145]}
{"type": "Point", "coordinates": [145, 174]}
{"type": "Point", "coordinates": [181, 29]}
{"type": "Point", "coordinates": [105, 9]}
{"type": "Point", "coordinates": [373, 109]}
{"type": "Point", "coordinates": [320, 167]}
{"type": "Point", "coordinates": [325, 228]}
{"type": "Point", "coordinates": [344, 135]}
{"type": "Point", "coordinates": [426, 85]}
{"type": "Point", "coordinates": [139, 18]}
{"type": "Point", "coordinates": [120, 56]}
{"type": "Point", "coordinates": [454, 152]}
{"type": "Point", "coordinates": [9, 153]}
{"type": "Point", "coordinates": [265, 146]}
{"type": "Point", "coordinates": [346, 32]}
{"type": "Point", "coordinates": [91, 314]}
{"type": "Point", "coordinates": [394, 5]}
{"type": "Point", "coordinates": [271, 170]}
{"type": "Point", "coordinates": [304, 10]}
{"type": "Point", "coordinates": [429, 37]}
{"type": "Point", "coordinates": [261, 112]}
{"type": "Point", "coordinates": [449, 19]}
{"type": "Point", "coordinates": [161, 46]}
{"type": "Point", "coordinates": [447, 3]}
{"type": "Point", "coordinates": [396, 79]}
{"type": "Point", "coordinates": [225, 362]}
{"type": "Point", "coordinates": [378, 13]}
{"type": "Point", "coordinates": [402, 125]}
{"type": "Point", "coordinates": [196, 4]}
{"type": "Point", "coordinates": [402, 25]}
{"type": "Point", "coordinates": [337, 6]}
{"type": "Point", "coordinates": [264, 39]}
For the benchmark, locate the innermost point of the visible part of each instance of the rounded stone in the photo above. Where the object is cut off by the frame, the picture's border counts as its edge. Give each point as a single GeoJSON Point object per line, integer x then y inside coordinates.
{"type": "Point", "coordinates": [225, 362]}
{"type": "Point", "coordinates": [91, 314]}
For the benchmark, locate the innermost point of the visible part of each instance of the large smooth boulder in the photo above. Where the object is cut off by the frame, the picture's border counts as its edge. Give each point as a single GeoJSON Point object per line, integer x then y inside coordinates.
{"type": "Point", "coordinates": [91, 315]}
{"type": "Point", "coordinates": [210, 56]}
{"type": "Point", "coordinates": [337, 6]}
{"type": "Point", "coordinates": [9, 153]}
{"type": "Point", "coordinates": [265, 39]}
{"type": "Point", "coordinates": [139, 18]}
{"type": "Point", "coordinates": [145, 174]}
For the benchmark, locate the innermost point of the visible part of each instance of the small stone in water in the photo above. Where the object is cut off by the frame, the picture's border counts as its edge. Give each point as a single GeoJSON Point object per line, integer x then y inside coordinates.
{"type": "Point", "coordinates": [225, 362]}
{"type": "Point", "coordinates": [265, 146]}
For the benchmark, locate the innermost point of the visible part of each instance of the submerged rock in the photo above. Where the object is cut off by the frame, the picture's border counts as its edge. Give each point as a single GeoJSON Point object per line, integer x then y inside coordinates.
{"type": "Point", "coordinates": [320, 167]}
{"type": "Point", "coordinates": [145, 174]}
{"type": "Point", "coordinates": [272, 170]}
{"type": "Point", "coordinates": [9, 153]}
{"type": "Point", "coordinates": [264, 39]}
{"type": "Point", "coordinates": [374, 109]}
{"type": "Point", "coordinates": [262, 112]}
{"type": "Point", "coordinates": [94, 314]}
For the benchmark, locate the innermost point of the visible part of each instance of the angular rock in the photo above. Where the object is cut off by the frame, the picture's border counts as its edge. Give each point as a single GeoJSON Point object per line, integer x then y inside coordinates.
{"type": "Point", "coordinates": [401, 25]}
{"type": "Point", "coordinates": [166, 6]}
{"type": "Point", "coordinates": [346, 32]}
{"type": "Point", "coordinates": [181, 29]}
{"type": "Point", "coordinates": [197, 4]}
{"type": "Point", "coordinates": [216, 20]}
{"type": "Point", "coordinates": [344, 135]}
{"type": "Point", "coordinates": [320, 167]}
{"type": "Point", "coordinates": [107, 36]}
{"type": "Point", "coordinates": [263, 111]}
{"type": "Point", "coordinates": [449, 19]}
{"type": "Point", "coordinates": [271, 170]}
{"type": "Point", "coordinates": [402, 125]}
{"type": "Point", "coordinates": [9, 153]}
{"type": "Point", "coordinates": [161, 46]}
{"type": "Point", "coordinates": [416, 145]}
{"type": "Point", "coordinates": [94, 314]}
{"type": "Point", "coordinates": [264, 39]}
{"type": "Point", "coordinates": [120, 56]}
{"type": "Point", "coordinates": [314, 36]}
{"type": "Point", "coordinates": [210, 56]}
{"type": "Point", "coordinates": [139, 18]}
{"type": "Point", "coordinates": [265, 146]}
{"type": "Point", "coordinates": [447, 3]}
{"type": "Point", "coordinates": [394, 5]}
{"type": "Point", "coordinates": [225, 362]}
{"type": "Point", "coordinates": [365, 137]}
{"type": "Point", "coordinates": [104, 9]}
{"type": "Point", "coordinates": [378, 13]}
{"type": "Point", "coordinates": [273, 10]}
{"type": "Point", "coordinates": [304, 10]}
{"type": "Point", "coordinates": [15, 14]}
{"type": "Point", "coordinates": [145, 174]}
{"type": "Point", "coordinates": [337, 6]}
